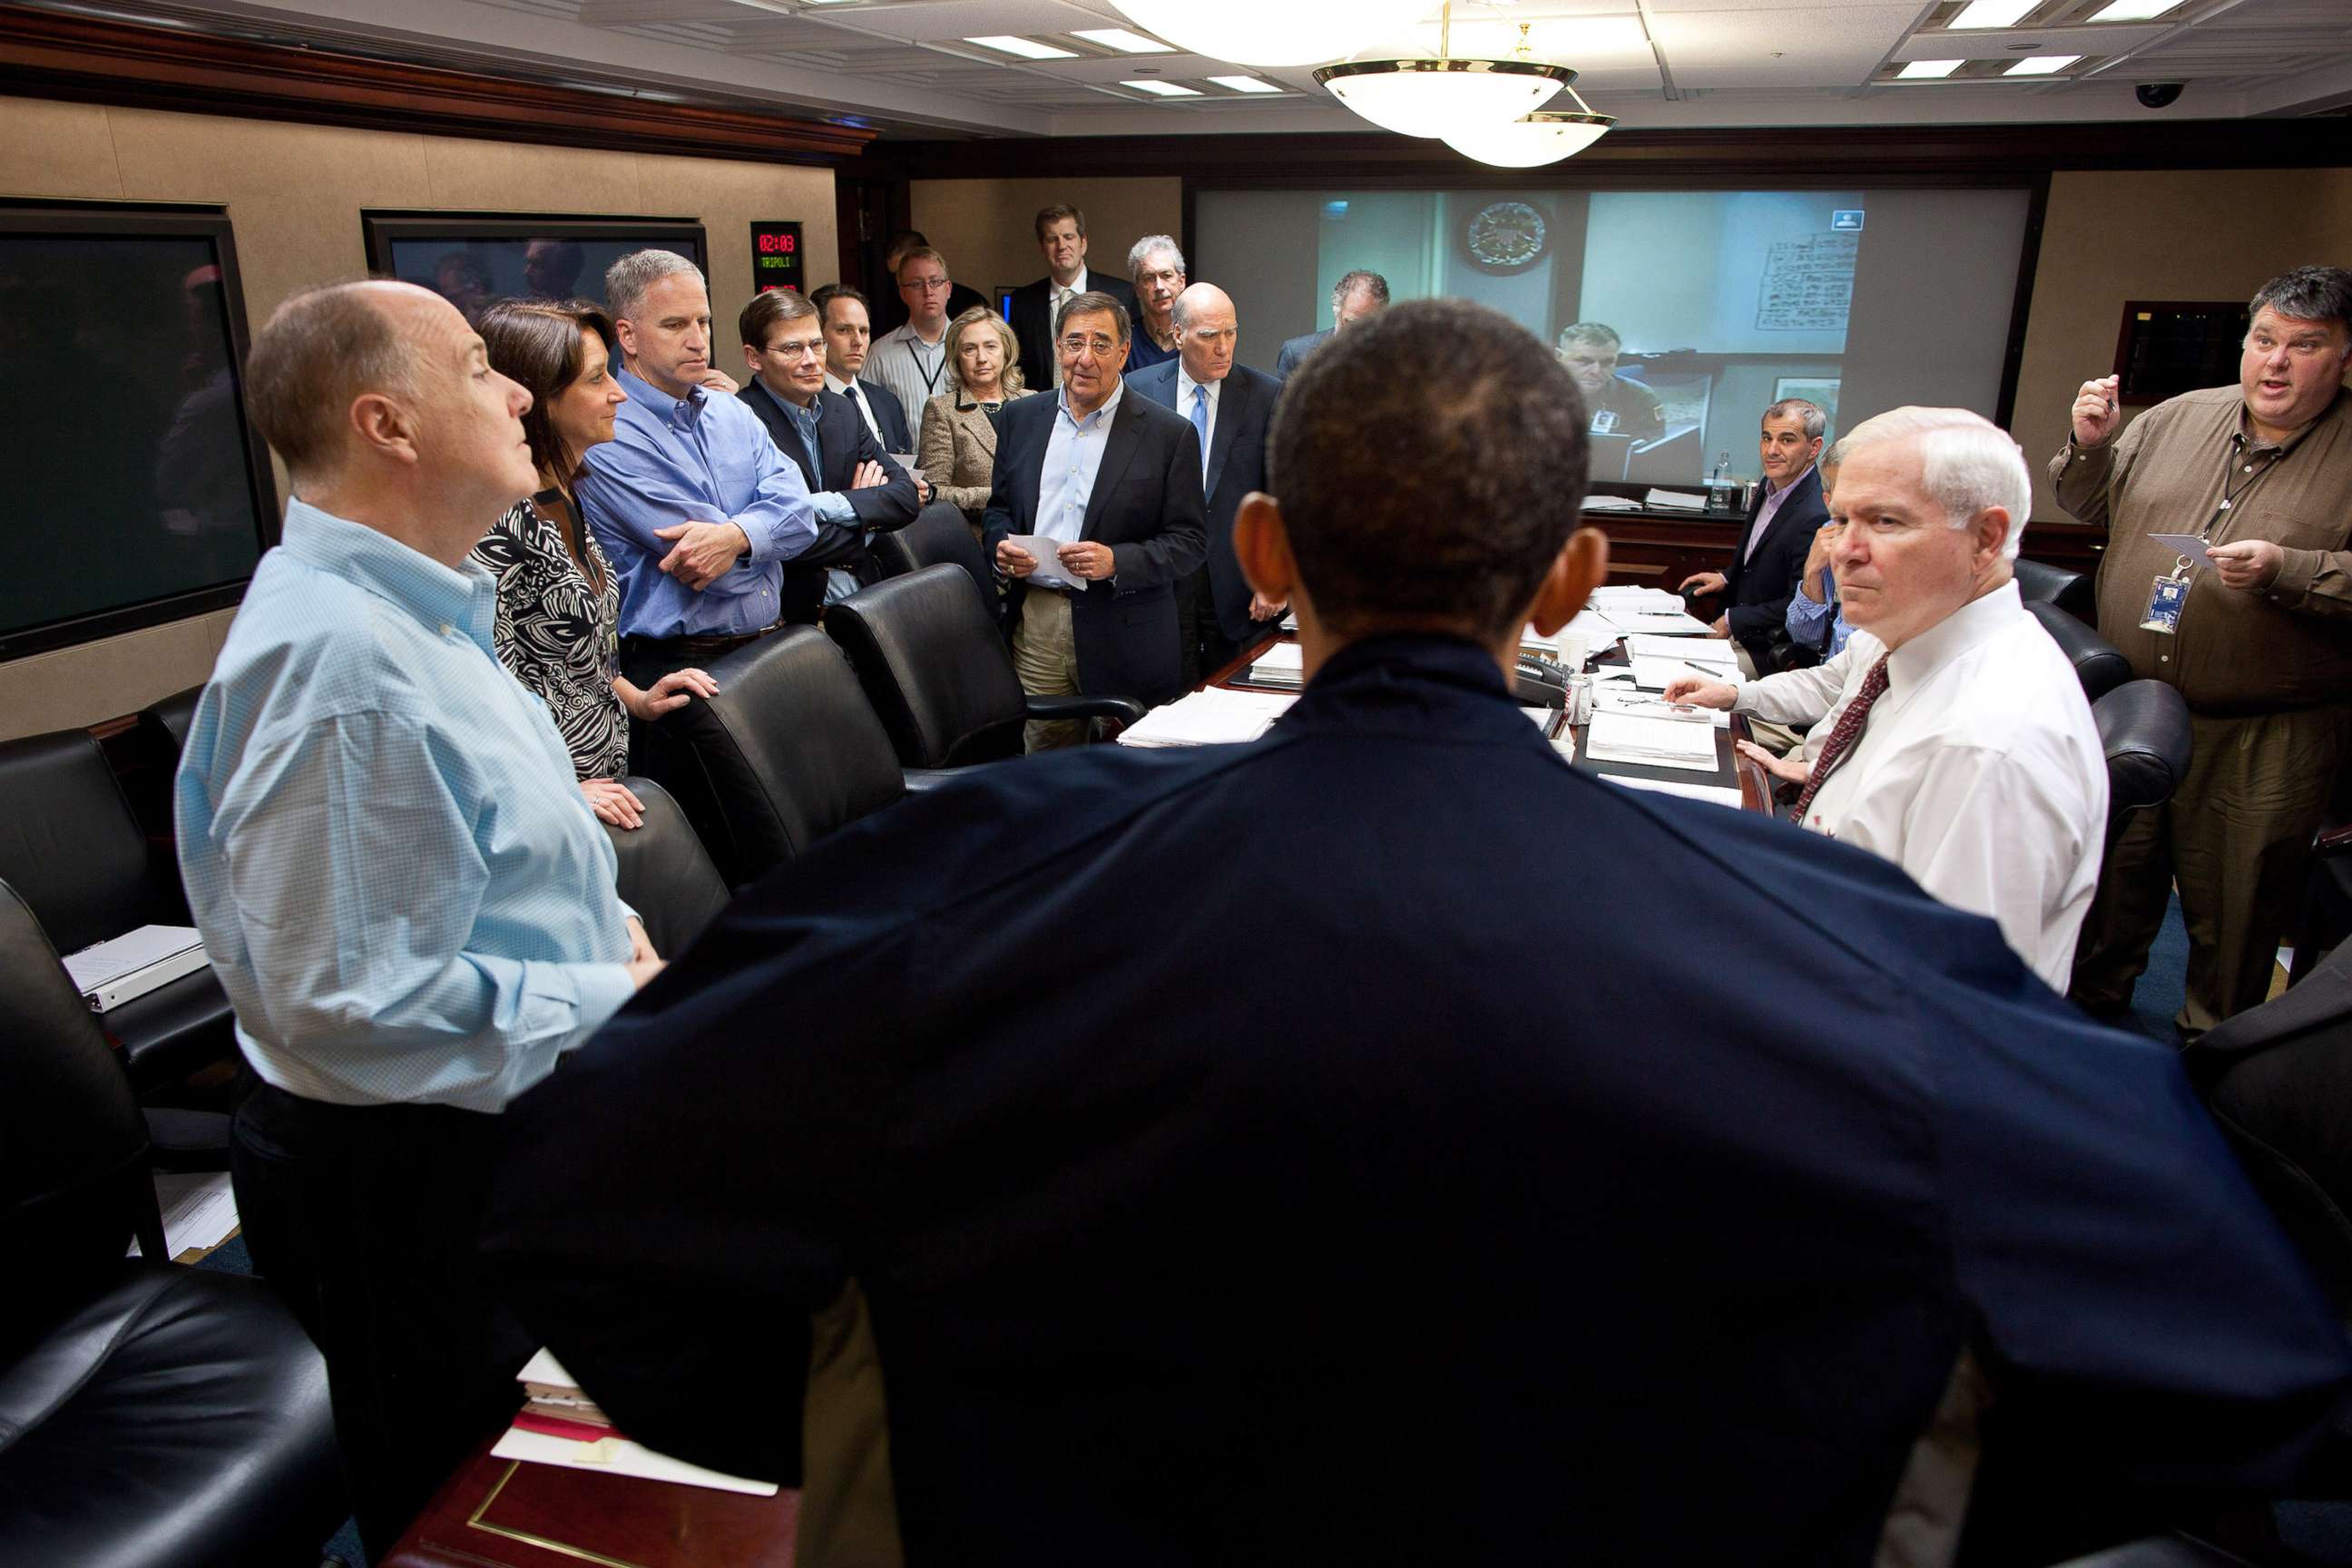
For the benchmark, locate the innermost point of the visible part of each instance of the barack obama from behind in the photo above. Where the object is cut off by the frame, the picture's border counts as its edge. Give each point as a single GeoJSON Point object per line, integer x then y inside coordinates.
{"type": "Point", "coordinates": [1245, 1162]}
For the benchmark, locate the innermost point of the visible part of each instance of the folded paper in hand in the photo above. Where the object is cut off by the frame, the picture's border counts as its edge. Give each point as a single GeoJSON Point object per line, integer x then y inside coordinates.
{"type": "Point", "coordinates": [1047, 553]}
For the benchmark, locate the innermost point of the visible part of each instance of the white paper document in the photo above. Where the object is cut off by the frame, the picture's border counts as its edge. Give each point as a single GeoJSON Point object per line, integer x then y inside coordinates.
{"type": "Point", "coordinates": [1618, 699]}
{"type": "Point", "coordinates": [622, 1458]}
{"type": "Point", "coordinates": [1656, 673]}
{"type": "Point", "coordinates": [1209, 717]}
{"type": "Point", "coordinates": [1283, 664]}
{"type": "Point", "coordinates": [1611, 503]}
{"type": "Point", "coordinates": [109, 973]}
{"type": "Point", "coordinates": [1620, 737]}
{"type": "Point", "coordinates": [1044, 551]}
{"type": "Point", "coordinates": [1635, 596]}
{"type": "Point", "coordinates": [1714, 794]}
{"type": "Point", "coordinates": [1678, 501]}
{"type": "Point", "coordinates": [2187, 544]}
{"type": "Point", "coordinates": [1711, 651]}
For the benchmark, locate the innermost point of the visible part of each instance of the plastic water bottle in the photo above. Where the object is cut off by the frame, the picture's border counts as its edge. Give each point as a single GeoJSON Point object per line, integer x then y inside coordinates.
{"type": "Point", "coordinates": [1718, 485]}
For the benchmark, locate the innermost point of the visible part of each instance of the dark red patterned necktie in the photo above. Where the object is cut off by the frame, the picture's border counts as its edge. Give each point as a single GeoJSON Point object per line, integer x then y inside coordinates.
{"type": "Point", "coordinates": [1848, 730]}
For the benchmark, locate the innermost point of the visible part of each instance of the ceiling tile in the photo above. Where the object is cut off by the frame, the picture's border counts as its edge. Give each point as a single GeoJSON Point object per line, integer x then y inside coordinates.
{"type": "Point", "coordinates": [1816, 46]}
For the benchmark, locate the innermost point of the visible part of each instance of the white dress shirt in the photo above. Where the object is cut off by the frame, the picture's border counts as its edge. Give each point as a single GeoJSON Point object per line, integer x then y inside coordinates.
{"type": "Point", "coordinates": [914, 370]}
{"type": "Point", "coordinates": [1185, 386]}
{"type": "Point", "coordinates": [1979, 772]}
{"type": "Point", "coordinates": [1056, 296]}
{"type": "Point", "coordinates": [834, 384]}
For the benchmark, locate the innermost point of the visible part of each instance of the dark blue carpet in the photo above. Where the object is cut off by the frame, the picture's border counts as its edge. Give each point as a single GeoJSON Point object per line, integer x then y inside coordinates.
{"type": "Point", "coordinates": [2164, 984]}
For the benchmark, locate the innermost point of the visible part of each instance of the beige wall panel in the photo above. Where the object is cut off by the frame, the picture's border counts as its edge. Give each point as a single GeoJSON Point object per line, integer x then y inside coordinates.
{"type": "Point", "coordinates": [2162, 235]}
{"type": "Point", "coordinates": [58, 690]}
{"type": "Point", "coordinates": [728, 198]}
{"type": "Point", "coordinates": [503, 176]}
{"type": "Point", "coordinates": [294, 195]}
{"type": "Point", "coordinates": [57, 150]}
{"type": "Point", "coordinates": [985, 226]}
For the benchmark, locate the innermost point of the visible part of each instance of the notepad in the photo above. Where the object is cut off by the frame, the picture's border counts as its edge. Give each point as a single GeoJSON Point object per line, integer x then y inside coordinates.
{"type": "Point", "coordinates": [1615, 697]}
{"type": "Point", "coordinates": [1282, 664]}
{"type": "Point", "coordinates": [1711, 651]}
{"type": "Point", "coordinates": [109, 973]}
{"type": "Point", "coordinates": [1714, 794]}
{"type": "Point", "coordinates": [1212, 716]}
{"type": "Point", "coordinates": [1620, 737]}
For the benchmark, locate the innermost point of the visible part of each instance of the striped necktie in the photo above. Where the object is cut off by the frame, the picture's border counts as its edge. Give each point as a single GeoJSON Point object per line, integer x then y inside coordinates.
{"type": "Point", "coordinates": [1843, 736]}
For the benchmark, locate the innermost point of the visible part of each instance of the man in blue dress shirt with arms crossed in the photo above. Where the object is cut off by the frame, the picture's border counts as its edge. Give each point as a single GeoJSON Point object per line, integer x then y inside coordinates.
{"type": "Point", "coordinates": [397, 881]}
{"type": "Point", "coordinates": [1244, 1163]}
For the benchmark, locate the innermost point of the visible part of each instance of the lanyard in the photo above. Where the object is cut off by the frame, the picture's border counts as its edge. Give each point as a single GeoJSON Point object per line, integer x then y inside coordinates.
{"type": "Point", "coordinates": [2229, 498]}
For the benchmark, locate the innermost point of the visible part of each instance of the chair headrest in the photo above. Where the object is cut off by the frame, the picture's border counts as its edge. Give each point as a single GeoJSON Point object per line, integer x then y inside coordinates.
{"type": "Point", "coordinates": [933, 667]}
{"type": "Point", "coordinates": [2097, 664]}
{"type": "Point", "coordinates": [2144, 729]}
{"type": "Point", "coordinates": [69, 842]}
{"type": "Point", "coordinates": [666, 874]}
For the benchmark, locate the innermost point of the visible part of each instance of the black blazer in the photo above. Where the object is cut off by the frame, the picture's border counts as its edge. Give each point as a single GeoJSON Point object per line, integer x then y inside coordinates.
{"type": "Point", "coordinates": [1030, 322]}
{"type": "Point", "coordinates": [1146, 505]}
{"type": "Point", "coordinates": [898, 436]}
{"type": "Point", "coordinates": [1757, 588]}
{"type": "Point", "coordinates": [1295, 351]}
{"type": "Point", "coordinates": [844, 442]}
{"type": "Point", "coordinates": [1236, 467]}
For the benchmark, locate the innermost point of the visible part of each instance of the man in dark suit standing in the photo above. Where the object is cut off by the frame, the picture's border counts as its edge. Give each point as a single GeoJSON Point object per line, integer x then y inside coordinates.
{"type": "Point", "coordinates": [1111, 486]}
{"type": "Point", "coordinates": [1770, 556]}
{"type": "Point", "coordinates": [848, 338]}
{"type": "Point", "coordinates": [1356, 297]}
{"type": "Point", "coordinates": [1037, 307]}
{"type": "Point", "coordinates": [852, 481]}
{"type": "Point", "coordinates": [1416, 1199]}
{"type": "Point", "coordinates": [1231, 407]}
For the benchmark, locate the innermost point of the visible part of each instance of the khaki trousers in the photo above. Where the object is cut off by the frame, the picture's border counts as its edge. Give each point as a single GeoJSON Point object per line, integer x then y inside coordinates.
{"type": "Point", "coordinates": [2236, 836]}
{"type": "Point", "coordinates": [1777, 739]}
{"type": "Point", "coordinates": [1046, 658]}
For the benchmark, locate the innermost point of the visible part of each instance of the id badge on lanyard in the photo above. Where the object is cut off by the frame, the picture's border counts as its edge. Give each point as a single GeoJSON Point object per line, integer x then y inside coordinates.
{"type": "Point", "coordinates": [2165, 600]}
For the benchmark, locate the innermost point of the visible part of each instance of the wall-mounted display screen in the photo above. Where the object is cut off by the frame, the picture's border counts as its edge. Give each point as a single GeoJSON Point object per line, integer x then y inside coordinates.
{"type": "Point", "coordinates": [776, 258]}
{"type": "Point", "coordinates": [137, 490]}
{"type": "Point", "coordinates": [475, 259]}
{"type": "Point", "coordinates": [1683, 314]}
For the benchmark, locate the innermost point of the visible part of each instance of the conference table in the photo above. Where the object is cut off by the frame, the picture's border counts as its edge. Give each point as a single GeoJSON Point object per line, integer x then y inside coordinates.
{"type": "Point", "coordinates": [510, 1513]}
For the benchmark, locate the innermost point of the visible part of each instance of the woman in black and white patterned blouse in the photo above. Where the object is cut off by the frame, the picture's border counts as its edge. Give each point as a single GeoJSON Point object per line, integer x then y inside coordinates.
{"type": "Point", "coordinates": [558, 604]}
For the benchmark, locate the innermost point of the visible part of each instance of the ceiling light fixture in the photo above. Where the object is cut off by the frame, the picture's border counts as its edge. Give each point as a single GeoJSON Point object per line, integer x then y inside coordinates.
{"type": "Point", "coordinates": [2133, 10]}
{"type": "Point", "coordinates": [2041, 65]}
{"type": "Point", "coordinates": [1245, 84]}
{"type": "Point", "coordinates": [1544, 137]}
{"type": "Point", "coordinates": [1291, 33]}
{"type": "Point", "coordinates": [1027, 49]}
{"type": "Point", "coordinates": [1444, 96]}
{"type": "Point", "coordinates": [1927, 70]}
{"type": "Point", "coordinates": [1122, 40]}
{"type": "Point", "coordinates": [1991, 14]}
{"type": "Point", "coordinates": [1165, 89]}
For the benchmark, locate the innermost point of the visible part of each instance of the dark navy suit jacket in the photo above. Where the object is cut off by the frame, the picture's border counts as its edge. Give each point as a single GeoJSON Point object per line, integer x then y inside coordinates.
{"type": "Point", "coordinates": [1236, 467]}
{"type": "Point", "coordinates": [1383, 1142]}
{"type": "Point", "coordinates": [1146, 505]}
{"type": "Point", "coordinates": [1029, 312]}
{"type": "Point", "coordinates": [1757, 587]}
{"type": "Point", "coordinates": [1293, 351]}
{"type": "Point", "coordinates": [898, 436]}
{"type": "Point", "coordinates": [844, 442]}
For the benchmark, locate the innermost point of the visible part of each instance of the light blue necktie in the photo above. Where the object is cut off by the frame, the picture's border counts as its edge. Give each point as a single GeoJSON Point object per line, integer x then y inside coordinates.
{"type": "Point", "coordinates": [1201, 423]}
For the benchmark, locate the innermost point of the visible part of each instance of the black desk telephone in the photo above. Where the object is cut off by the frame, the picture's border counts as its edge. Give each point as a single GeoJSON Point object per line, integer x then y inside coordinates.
{"type": "Point", "coordinates": [1539, 682]}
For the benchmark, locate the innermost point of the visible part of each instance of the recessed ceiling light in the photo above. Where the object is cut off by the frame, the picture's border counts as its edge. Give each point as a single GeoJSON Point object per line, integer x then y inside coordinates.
{"type": "Point", "coordinates": [1245, 84]}
{"type": "Point", "coordinates": [1122, 40]}
{"type": "Point", "coordinates": [1027, 49]}
{"type": "Point", "coordinates": [2133, 10]}
{"type": "Point", "coordinates": [1164, 89]}
{"type": "Point", "coordinates": [1926, 70]}
{"type": "Point", "coordinates": [2041, 65]}
{"type": "Point", "coordinates": [1990, 13]}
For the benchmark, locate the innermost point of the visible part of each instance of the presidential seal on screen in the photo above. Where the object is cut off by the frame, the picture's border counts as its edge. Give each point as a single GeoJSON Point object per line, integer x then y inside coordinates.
{"type": "Point", "coordinates": [1503, 237]}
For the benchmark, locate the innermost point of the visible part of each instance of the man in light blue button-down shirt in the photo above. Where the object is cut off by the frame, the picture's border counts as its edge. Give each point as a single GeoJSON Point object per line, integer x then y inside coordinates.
{"type": "Point", "coordinates": [403, 890]}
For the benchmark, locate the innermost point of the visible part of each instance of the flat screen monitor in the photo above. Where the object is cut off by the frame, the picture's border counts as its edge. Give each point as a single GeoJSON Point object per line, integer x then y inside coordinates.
{"type": "Point", "coordinates": [139, 493]}
{"type": "Point", "coordinates": [475, 259]}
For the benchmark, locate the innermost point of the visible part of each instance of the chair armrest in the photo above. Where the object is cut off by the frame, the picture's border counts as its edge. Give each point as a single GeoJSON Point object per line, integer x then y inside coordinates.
{"type": "Point", "coordinates": [2332, 841]}
{"type": "Point", "coordinates": [1125, 709]}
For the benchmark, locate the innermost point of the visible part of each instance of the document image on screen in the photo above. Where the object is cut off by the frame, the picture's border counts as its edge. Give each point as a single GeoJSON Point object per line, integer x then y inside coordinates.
{"type": "Point", "coordinates": [1681, 315]}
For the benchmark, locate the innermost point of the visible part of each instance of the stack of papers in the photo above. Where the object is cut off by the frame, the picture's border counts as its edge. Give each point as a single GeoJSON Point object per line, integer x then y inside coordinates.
{"type": "Point", "coordinates": [1282, 665]}
{"type": "Point", "coordinates": [1714, 794]}
{"type": "Point", "coordinates": [1614, 697]}
{"type": "Point", "coordinates": [1633, 597]}
{"type": "Point", "coordinates": [560, 1439]}
{"type": "Point", "coordinates": [1611, 503]}
{"type": "Point", "coordinates": [110, 974]}
{"type": "Point", "coordinates": [1660, 661]}
{"type": "Point", "coordinates": [1212, 716]}
{"type": "Point", "coordinates": [1677, 501]}
{"type": "Point", "coordinates": [1622, 737]}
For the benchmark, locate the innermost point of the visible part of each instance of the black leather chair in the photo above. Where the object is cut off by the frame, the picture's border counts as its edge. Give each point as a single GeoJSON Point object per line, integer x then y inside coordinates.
{"type": "Point", "coordinates": [794, 752]}
{"type": "Point", "coordinates": [940, 536]}
{"type": "Point", "coordinates": [2098, 664]}
{"type": "Point", "coordinates": [666, 874]}
{"type": "Point", "coordinates": [2076, 593]}
{"type": "Point", "coordinates": [2144, 729]}
{"type": "Point", "coordinates": [2161, 1552]}
{"type": "Point", "coordinates": [150, 1414]}
{"type": "Point", "coordinates": [73, 848]}
{"type": "Point", "coordinates": [940, 676]}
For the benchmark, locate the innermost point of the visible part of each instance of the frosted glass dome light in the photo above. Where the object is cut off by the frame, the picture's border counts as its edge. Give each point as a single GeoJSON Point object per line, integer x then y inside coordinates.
{"type": "Point", "coordinates": [1274, 32]}
{"type": "Point", "coordinates": [1443, 96]}
{"type": "Point", "coordinates": [1533, 140]}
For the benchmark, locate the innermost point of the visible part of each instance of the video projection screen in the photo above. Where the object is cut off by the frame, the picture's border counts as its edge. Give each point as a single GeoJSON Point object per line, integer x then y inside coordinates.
{"type": "Point", "coordinates": [473, 261]}
{"type": "Point", "coordinates": [1722, 301]}
{"type": "Point", "coordinates": [138, 489]}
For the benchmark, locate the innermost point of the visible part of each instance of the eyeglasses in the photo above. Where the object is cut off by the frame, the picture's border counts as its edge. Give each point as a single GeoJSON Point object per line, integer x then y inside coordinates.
{"type": "Point", "coordinates": [811, 349]}
{"type": "Point", "coordinates": [926, 284]}
{"type": "Point", "coordinates": [1103, 347]}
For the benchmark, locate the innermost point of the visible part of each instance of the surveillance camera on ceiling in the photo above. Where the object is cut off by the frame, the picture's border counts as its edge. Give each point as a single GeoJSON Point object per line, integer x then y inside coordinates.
{"type": "Point", "coordinates": [2156, 94]}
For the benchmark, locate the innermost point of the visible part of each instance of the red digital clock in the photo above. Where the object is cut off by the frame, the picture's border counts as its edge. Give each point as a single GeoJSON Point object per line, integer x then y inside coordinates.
{"type": "Point", "coordinates": [776, 257]}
